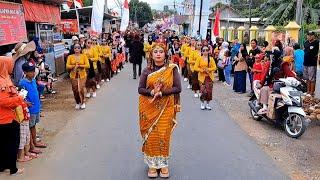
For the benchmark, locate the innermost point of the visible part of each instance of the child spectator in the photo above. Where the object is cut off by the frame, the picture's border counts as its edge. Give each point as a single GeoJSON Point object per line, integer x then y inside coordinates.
{"type": "Point", "coordinates": [23, 154]}
{"type": "Point", "coordinates": [29, 84]}
{"type": "Point", "coordinates": [257, 71]}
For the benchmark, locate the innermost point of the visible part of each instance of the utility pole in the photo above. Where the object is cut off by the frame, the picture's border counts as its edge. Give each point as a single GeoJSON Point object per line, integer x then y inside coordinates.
{"type": "Point", "coordinates": [299, 12]}
{"type": "Point", "coordinates": [250, 7]}
{"type": "Point", "coordinates": [200, 16]}
{"type": "Point", "coordinates": [194, 14]}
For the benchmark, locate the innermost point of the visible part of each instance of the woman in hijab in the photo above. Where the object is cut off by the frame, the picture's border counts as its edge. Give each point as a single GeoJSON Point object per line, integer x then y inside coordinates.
{"type": "Point", "coordinates": [240, 70]}
{"type": "Point", "coordinates": [223, 48]}
{"type": "Point", "coordinates": [9, 128]}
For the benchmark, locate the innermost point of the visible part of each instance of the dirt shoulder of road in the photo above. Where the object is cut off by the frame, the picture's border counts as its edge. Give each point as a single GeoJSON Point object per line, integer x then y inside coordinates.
{"type": "Point", "coordinates": [297, 157]}
{"type": "Point", "coordinates": [57, 109]}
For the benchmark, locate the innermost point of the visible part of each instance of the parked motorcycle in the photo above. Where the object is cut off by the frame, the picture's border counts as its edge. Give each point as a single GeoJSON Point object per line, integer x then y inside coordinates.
{"type": "Point", "coordinates": [284, 107]}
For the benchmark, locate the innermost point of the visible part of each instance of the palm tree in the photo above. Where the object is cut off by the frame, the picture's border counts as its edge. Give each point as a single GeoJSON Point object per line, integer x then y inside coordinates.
{"type": "Point", "coordinates": [282, 11]}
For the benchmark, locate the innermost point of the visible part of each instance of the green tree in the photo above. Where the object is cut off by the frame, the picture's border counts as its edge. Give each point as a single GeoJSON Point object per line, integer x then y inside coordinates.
{"type": "Point", "coordinates": [243, 7]}
{"type": "Point", "coordinates": [87, 2]}
{"type": "Point", "coordinates": [140, 12]}
{"type": "Point", "coordinates": [282, 11]}
{"type": "Point", "coordinates": [240, 4]}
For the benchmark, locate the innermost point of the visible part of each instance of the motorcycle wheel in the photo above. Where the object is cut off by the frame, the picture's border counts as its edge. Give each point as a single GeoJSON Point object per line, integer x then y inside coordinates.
{"type": "Point", "coordinates": [254, 115]}
{"type": "Point", "coordinates": [294, 125]}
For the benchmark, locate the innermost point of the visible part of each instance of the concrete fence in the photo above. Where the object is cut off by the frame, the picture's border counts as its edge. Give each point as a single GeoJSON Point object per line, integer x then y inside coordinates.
{"type": "Point", "coordinates": [291, 31]}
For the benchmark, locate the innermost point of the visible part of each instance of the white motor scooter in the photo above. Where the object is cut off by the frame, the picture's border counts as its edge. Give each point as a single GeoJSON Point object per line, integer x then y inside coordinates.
{"type": "Point", "coordinates": [284, 107]}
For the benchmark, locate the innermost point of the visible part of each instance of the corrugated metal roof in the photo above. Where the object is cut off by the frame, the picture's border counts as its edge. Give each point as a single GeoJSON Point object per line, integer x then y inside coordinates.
{"type": "Point", "coordinates": [55, 2]}
{"type": "Point", "coordinates": [241, 19]}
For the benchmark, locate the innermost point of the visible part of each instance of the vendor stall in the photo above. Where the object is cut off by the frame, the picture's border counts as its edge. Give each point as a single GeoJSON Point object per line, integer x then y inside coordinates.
{"type": "Point", "coordinates": [42, 20]}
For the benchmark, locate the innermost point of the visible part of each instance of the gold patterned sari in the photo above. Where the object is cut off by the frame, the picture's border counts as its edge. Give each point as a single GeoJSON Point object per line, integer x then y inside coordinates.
{"type": "Point", "coordinates": [158, 119]}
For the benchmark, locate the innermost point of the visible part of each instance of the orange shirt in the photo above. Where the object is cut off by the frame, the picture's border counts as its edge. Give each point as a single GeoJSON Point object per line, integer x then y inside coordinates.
{"type": "Point", "coordinates": [8, 103]}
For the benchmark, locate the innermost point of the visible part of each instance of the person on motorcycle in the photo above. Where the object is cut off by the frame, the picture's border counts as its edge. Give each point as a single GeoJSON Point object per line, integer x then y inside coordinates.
{"type": "Point", "coordinates": [288, 63]}
{"type": "Point", "coordinates": [257, 70]}
{"type": "Point", "coordinates": [285, 70]}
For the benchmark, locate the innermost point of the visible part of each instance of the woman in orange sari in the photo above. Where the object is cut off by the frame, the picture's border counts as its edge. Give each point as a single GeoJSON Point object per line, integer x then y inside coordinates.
{"type": "Point", "coordinates": [159, 90]}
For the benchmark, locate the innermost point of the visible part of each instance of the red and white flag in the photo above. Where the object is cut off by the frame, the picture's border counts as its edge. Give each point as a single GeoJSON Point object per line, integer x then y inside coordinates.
{"type": "Point", "coordinates": [78, 3]}
{"type": "Point", "coordinates": [125, 16]}
{"type": "Point", "coordinates": [216, 25]}
{"type": "Point", "coordinates": [67, 5]}
{"type": "Point", "coordinates": [97, 16]}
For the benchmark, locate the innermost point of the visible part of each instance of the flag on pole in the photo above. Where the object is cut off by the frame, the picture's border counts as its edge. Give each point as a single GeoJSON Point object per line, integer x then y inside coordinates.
{"type": "Point", "coordinates": [68, 3]}
{"type": "Point", "coordinates": [125, 16]}
{"type": "Point", "coordinates": [97, 16]}
{"type": "Point", "coordinates": [78, 3]}
{"type": "Point", "coordinates": [216, 25]}
{"type": "Point", "coordinates": [66, 7]}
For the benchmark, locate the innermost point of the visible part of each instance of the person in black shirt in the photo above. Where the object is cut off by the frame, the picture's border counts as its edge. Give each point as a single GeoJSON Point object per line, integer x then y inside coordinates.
{"type": "Point", "coordinates": [173, 37]}
{"type": "Point", "coordinates": [250, 60]}
{"type": "Point", "coordinates": [311, 50]}
{"type": "Point", "coordinates": [128, 41]}
{"type": "Point", "coordinates": [136, 55]}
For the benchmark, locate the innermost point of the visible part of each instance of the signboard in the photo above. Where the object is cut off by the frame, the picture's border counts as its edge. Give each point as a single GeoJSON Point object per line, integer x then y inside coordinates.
{"type": "Point", "coordinates": [12, 23]}
{"type": "Point", "coordinates": [69, 25]}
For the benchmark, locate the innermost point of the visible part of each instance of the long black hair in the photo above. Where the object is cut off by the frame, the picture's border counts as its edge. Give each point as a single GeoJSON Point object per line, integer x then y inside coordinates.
{"type": "Point", "coordinates": [207, 46]}
{"type": "Point", "coordinates": [244, 52]}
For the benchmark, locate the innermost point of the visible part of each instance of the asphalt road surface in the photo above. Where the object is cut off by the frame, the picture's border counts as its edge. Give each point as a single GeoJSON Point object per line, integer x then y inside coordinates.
{"type": "Point", "coordinates": [103, 142]}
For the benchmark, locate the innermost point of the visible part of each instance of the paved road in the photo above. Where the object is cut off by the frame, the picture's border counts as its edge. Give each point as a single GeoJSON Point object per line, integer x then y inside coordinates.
{"type": "Point", "coordinates": [103, 142]}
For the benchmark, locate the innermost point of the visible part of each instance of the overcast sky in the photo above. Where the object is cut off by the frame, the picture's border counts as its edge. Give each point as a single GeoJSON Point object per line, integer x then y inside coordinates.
{"type": "Point", "coordinates": [155, 4]}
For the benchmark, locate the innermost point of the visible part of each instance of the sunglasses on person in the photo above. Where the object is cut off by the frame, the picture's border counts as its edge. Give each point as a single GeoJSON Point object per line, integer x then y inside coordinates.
{"type": "Point", "coordinates": [205, 50]}
{"type": "Point", "coordinates": [89, 42]}
{"type": "Point", "coordinates": [94, 40]}
{"type": "Point", "coordinates": [77, 47]}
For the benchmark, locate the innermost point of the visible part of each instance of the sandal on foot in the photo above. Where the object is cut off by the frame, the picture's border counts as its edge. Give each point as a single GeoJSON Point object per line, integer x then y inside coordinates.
{"type": "Point", "coordinates": [19, 171]}
{"type": "Point", "coordinates": [33, 155]}
{"type": "Point", "coordinates": [25, 159]}
{"type": "Point", "coordinates": [152, 173]}
{"type": "Point", "coordinates": [40, 145]}
{"type": "Point", "coordinates": [164, 175]}
{"type": "Point", "coordinates": [36, 151]}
